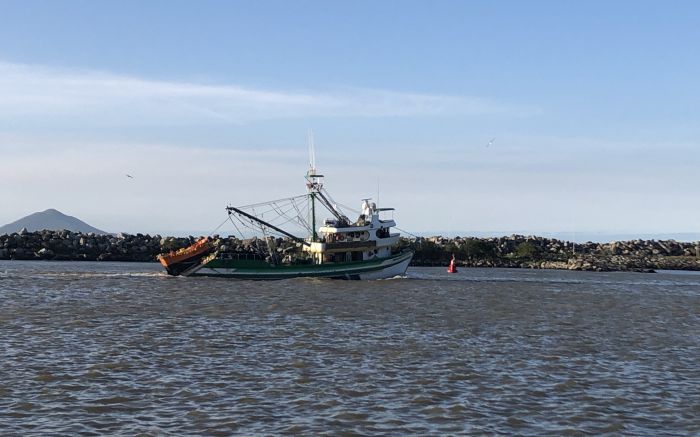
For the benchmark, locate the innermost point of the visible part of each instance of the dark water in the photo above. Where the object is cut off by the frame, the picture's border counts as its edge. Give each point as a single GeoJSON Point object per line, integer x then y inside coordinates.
{"type": "Point", "coordinates": [102, 348]}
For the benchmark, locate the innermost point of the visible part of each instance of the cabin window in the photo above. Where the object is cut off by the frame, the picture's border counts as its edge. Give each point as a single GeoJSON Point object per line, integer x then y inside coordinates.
{"type": "Point", "coordinates": [382, 232]}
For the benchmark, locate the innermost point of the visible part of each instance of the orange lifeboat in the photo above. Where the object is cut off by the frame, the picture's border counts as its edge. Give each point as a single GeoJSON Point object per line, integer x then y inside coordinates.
{"type": "Point", "coordinates": [174, 260]}
{"type": "Point", "coordinates": [452, 268]}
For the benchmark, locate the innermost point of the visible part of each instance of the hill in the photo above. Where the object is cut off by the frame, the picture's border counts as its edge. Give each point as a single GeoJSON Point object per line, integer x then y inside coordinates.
{"type": "Point", "coordinates": [50, 219]}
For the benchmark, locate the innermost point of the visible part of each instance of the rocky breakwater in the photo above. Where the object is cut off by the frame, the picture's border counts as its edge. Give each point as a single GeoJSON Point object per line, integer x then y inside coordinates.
{"type": "Point", "coordinates": [537, 252]}
{"type": "Point", "coordinates": [515, 251]}
{"type": "Point", "coordinates": [70, 246]}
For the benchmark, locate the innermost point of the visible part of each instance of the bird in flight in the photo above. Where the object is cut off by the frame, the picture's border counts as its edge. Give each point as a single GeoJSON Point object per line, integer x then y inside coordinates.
{"type": "Point", "coordinates": [129, 176]}
{"type": "Point", "coordinates": [490, 142]}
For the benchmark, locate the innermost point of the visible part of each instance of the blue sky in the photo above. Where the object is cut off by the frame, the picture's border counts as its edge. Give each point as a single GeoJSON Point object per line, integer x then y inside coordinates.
{"type": "Point", "coordinates": [594, 107]}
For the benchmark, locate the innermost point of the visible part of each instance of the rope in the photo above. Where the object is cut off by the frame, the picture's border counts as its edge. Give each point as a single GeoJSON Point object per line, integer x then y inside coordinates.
{"type": "Point", "coordinates": [406, 232]}
{"type": "Point", "coordinates": [234, 225]}
{"type": "Point", "coordinates": [253, 205]}
{"type": "Point", "coordinates": [356, 211]}
{"type": "Point", "coordinates": [333, 202]}
{"type": "Point", "coordinates": [300, 217]}
{"type": "Point", "coordinates": [217, 228]}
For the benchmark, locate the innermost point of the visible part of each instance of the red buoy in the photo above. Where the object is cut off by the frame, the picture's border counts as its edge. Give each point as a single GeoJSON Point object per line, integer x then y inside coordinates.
{"type": "Point", "coordinates": [452, 268]}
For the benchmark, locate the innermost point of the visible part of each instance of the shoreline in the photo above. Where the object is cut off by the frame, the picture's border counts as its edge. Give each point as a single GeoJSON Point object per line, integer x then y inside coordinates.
{"type": "Point", "coordinates": [515, 251]}
{"type": "Point", "coordinates": [532, 252]}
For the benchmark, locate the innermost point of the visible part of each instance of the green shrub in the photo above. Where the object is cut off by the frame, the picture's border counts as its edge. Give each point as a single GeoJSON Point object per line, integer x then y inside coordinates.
{"type": "Point", "coordinates": [527, 249]}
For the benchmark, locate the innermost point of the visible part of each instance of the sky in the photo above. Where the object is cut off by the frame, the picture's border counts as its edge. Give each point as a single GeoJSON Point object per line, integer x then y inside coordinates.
{"type": "Point", "coordinates": [466, 116]}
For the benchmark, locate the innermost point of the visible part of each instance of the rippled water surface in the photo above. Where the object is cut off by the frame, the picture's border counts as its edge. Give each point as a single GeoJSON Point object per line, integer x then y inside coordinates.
{"type": "Point", "coordinates": [107, 348]}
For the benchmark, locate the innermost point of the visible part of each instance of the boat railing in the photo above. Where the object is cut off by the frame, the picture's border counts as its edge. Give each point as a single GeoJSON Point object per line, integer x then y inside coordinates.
{"type": "Point", "coordinates": [241, 256]}
{"type": "Point", "coordinates": [346, 237]}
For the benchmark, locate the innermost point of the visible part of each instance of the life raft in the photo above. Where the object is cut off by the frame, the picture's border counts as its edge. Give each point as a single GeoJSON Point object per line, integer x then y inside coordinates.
{"type": "Point", "coordinates": [200, 247]}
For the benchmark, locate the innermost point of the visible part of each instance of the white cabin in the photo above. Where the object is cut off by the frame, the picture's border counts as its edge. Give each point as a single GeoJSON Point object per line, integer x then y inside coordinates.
{"type": "Point", "coordinates": [367, 239]}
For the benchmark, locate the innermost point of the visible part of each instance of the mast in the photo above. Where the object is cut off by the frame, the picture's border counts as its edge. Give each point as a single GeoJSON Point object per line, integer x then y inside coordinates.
{"type": "Point", "coordinates": [314, 237]}
{"type": "Point", "coordinates": [313, 183]}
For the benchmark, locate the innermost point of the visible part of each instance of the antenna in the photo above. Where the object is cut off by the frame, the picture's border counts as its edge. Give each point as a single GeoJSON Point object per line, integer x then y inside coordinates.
{"type": "Point", "coordinates": [312, 152]}
{"type": "Point", "coordinates": [377, 190]}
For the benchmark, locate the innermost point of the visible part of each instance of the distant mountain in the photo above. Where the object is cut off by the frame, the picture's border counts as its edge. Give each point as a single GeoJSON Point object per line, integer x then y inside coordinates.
{"type": "Point", "coordinates": [49, 219]}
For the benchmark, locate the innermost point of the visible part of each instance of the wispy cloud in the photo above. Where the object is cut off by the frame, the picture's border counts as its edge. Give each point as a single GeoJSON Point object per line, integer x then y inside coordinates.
{"type": "Point", "coordinates": [30, 90]}
{"type": "Point", "coordinates": [186, 187]}
{"type": "Point", "coordinates": [173, 187]}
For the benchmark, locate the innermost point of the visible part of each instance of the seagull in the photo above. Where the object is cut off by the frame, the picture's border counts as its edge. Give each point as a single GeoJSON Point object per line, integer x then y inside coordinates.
{"type": "Point", "coordinates": [490, 142]}
{"type": "Point", "coordinates": [129, 176]}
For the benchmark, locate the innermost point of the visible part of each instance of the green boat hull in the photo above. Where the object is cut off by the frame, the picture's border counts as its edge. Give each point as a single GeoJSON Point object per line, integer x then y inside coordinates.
{"type": "Point", "coordinates": [395, 265]}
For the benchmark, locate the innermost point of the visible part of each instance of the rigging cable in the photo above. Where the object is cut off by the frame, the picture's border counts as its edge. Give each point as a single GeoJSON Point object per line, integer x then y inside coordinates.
{"type": "Point", "coordinates": [253, 205]}
{"type": "Point", "coordinates": [406, 232]}
{"type": "Point", "coordinates": [300, 217]}
{"type": "Point", "coordinates": [333, 202]}
{"type": "Point", "coordinates": [356, 211]}
{"type": "Point", "coordinates": [217, 228]}
{"type": "Point", "coordinates": [235, 226]}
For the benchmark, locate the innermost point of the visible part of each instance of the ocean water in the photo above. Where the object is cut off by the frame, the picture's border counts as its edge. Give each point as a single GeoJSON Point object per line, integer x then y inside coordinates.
{"type": "Point", "coordinates": [123, 349]}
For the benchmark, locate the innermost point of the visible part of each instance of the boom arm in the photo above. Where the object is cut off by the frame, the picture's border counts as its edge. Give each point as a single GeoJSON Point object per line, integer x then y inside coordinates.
{"type": "Point", "coordinates": [263, 222]}
{"type": "Point", "coordinates": [329, 206]}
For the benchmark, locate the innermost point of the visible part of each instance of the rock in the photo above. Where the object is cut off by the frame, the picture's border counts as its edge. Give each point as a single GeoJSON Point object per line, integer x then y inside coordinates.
{"type": "Point", "coordinates": [45, 253]}
{"type": "Point", "coordinates": [23, 254]}
{"type": "Point", "coordinates": [574, 264]}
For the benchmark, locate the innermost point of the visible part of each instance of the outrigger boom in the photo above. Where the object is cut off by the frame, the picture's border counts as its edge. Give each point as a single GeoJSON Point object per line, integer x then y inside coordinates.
{"type": "Point", "coordinates": [263, 222]}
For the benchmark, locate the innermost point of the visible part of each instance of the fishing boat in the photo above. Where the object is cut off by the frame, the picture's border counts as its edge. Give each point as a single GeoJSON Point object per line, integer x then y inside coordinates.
{"type": "Point", "coordinates": [365, 248]}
